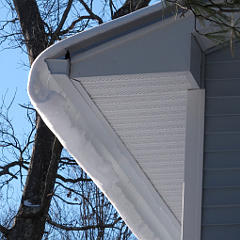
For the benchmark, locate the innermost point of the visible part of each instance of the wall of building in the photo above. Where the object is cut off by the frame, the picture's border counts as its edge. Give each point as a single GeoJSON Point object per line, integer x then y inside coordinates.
{"type": "Point", "coordinates": [221, 183]}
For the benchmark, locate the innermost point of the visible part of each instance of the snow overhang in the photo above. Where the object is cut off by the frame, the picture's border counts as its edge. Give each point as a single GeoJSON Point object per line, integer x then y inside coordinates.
{"type": "Point", "coordinates": [116, 71]}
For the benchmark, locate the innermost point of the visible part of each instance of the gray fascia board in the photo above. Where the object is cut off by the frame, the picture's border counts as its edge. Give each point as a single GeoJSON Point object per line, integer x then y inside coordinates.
{"type": "Point", "coordinates": [197, 61]}
{"type": "Point", "coordinates": [107, 31]}
{"type": "Point", "coordinates": [125, 25]}
{"type": "Point", "coordinates": [58, 66]}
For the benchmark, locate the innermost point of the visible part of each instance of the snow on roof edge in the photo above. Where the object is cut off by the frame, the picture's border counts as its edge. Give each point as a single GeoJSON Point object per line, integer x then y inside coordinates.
{"type": "Point", "coordinates": [53, 106]}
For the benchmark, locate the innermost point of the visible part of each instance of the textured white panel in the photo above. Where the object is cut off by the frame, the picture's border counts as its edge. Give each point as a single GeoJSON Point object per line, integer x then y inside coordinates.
{"type": "Point", "coordinates": [148, 113]}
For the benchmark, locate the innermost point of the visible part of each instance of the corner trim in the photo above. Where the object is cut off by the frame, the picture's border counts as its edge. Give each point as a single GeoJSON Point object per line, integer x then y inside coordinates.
{"type": "Point", "coordinates": [191, 227]}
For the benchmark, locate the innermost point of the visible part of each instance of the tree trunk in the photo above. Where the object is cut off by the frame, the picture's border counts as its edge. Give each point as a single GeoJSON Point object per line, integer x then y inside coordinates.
{"type": "Point", "coordinates": [30, 221]}
{"type": "Point", "coordinates": [31, 217]}
{"type": "Point", "coordinates": [32, 27]}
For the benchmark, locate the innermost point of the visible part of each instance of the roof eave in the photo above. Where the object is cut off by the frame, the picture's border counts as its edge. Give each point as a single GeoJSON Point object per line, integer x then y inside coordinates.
{"type": "Point", "coordinates": [118, 175]}
{"type": "Point", "coordinates": [50, 84]}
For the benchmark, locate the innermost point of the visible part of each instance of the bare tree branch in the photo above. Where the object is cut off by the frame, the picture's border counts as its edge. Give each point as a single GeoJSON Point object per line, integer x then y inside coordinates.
{"type": "Point", "coordinates": [65, 201]}
{"type": "Point", "coordinates": [70, 180]}
{"type": "Point", "coordinates": [90, 12]}
{"type": "Point", "coordinates": [64, 17]}
{"type": "Point", "coordinates": [84, 228]}
{"type": "Point", "coordinates": [73, 24]}
{"type": "Point", "coordinates": [3, 230]}
{"type": "Point", "coordinates": [130, 6]}
{"type": "Point", "coordinates": [7, 22]}
{"type": "Point", "coordinates": [5, 169]}
{"type": "Point", "coordinates": [215, 13]}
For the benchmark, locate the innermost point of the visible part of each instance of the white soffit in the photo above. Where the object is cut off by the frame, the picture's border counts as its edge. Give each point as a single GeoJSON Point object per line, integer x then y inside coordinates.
{"type": "Point", "coordinates": [126, 131]}
{"type": "Point", "coordinates": [148, 113]}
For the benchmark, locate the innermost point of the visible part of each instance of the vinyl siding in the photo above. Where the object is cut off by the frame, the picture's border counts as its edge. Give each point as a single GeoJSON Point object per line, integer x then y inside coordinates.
{"type": "Point", "coordinates": [148, 113]}
{"type": "Point", "coordinates": [221, 181]}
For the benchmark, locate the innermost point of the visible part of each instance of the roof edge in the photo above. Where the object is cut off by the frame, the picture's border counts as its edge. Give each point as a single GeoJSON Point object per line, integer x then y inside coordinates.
{"type": "Point", "coordinates": [108, 153]}
{"type": "Point", "coordinates": [141, 17]}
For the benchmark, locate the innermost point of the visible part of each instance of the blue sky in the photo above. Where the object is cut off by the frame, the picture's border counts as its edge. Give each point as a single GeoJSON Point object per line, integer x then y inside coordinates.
{"type": "Point", "coordinates": [14, 80]}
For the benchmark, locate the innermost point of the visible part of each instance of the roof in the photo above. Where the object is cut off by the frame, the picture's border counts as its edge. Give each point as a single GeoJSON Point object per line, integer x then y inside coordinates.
{"type": "Point", "coordinates": [121, 103]}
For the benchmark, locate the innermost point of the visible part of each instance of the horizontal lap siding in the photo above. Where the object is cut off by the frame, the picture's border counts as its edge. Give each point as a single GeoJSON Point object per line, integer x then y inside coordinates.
{"type": "Point", "coordinates": [221, 181]}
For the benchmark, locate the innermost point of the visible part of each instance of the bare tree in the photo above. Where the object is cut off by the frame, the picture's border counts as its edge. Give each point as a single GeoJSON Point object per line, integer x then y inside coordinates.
{"type": "Point", "coordinates": [222, 17]}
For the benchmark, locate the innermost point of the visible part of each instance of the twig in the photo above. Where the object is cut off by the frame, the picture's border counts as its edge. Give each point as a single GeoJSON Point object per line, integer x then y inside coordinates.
{"type": "Point", "coordinates": [84, 228]}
